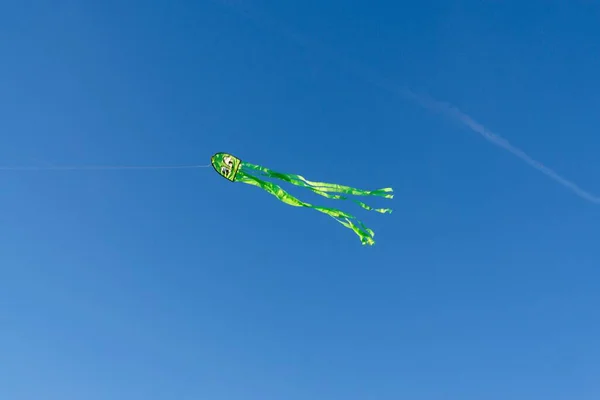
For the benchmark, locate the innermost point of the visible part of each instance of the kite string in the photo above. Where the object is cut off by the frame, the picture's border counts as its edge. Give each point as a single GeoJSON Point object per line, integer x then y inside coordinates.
{"type": "Point", "coordinates": [100, 167]}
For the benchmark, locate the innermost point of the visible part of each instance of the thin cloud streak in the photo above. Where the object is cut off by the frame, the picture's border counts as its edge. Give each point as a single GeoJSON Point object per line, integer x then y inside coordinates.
{"type": "Point", "coordinates": [497, 140]}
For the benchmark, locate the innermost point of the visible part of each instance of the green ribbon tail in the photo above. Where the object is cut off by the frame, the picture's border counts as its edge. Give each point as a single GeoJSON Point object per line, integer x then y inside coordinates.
{"type": "Point", "coordinates": [324, 189]}
{"type": "Point", "coordinates": [349, 221]}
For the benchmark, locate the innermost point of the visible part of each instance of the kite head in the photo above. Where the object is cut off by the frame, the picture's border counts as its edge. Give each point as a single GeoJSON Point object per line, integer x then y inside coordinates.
{"type": "Point", "coordinates": [226, 165]}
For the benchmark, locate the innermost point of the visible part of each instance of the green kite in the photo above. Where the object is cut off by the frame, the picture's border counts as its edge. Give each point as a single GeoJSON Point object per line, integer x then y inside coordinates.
{"type": "Point", "coordinates": [236, 170]}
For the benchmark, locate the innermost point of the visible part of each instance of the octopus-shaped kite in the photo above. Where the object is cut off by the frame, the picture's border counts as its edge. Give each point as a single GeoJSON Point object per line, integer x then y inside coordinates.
{"type": "Point", "coordinates": [236, 170]}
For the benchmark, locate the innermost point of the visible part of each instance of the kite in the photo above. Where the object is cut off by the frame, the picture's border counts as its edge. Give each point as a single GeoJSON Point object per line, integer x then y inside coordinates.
{"type": "Point", "coordinates": [235, 170]}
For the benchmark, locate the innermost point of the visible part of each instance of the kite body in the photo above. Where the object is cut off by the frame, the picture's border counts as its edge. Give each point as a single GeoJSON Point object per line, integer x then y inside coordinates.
{"type": "Point", "coordinates": [236, 170]}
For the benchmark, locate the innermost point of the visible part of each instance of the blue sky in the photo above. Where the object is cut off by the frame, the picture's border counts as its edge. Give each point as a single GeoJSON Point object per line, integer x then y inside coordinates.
{"type": "Point", "coordinates": [176, 284]}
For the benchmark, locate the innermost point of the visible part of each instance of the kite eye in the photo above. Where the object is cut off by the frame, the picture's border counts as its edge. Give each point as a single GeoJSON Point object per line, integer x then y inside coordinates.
{"type": "Point", "coordinates": [225, 171]}
{"type": "Point", "coordinates": [228, 160]}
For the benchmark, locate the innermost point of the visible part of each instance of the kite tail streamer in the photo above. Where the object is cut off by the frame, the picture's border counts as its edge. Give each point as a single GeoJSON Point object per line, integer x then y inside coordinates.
{"type": "Point", "coordinates": [349, 221]}
{"type": "Point", "coordinates": [322, 188]}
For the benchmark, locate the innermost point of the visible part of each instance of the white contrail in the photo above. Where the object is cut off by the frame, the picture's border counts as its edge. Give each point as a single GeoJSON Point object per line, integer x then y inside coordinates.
{"type": "Point", "coordinates": [497, 140]}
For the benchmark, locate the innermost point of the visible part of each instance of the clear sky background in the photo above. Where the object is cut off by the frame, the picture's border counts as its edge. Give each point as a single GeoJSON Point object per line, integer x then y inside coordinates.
{"type": "Point", "coordinates": [177, 285]}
